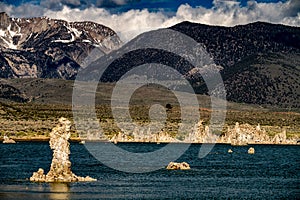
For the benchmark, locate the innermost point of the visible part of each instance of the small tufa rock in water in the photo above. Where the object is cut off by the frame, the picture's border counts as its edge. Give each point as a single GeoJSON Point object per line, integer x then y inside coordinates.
{"type": "Point", "coordinates": [251, 150]}
{"type": "Point", "coordinates": [38, 176]}
{"type": "Point", "coordinates": [230, 151]}
{"type": "Point", "coordinates": [60, 170]}
{"type": "Point", "coordinates": [178, 166]}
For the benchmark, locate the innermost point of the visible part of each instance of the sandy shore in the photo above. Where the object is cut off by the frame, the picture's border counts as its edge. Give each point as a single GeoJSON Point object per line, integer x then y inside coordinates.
{"type": "Point", "coordinates": [77, 139]}
{"type": "Point", "coordinates": [37, 139]}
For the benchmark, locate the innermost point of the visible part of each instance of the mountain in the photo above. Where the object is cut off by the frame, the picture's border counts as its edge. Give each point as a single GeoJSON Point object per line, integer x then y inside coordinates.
{"type": "Point", "coordinates": [49, 48]}
{"type": "Point", "coordinates": [260, 61]}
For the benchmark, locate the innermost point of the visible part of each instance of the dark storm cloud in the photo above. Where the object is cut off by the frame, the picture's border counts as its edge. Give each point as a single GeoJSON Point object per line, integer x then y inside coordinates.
{"type": "Point", "coordinates": [59, 4]}
{"type": "Point", "coordinates": [113, 3]}
{"type": "Point", "coordinates": [82, 4]}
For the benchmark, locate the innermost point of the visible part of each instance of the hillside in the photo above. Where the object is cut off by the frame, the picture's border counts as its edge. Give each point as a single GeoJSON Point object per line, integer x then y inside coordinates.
{"type": "Point", "coordinates": [50, 99]}
{"type": "Point", "coordinates": [11, 93]}
{"type": "Point", "coordinates": [272, 79]}
{"type": "Point", "coordinates": [260, 61]}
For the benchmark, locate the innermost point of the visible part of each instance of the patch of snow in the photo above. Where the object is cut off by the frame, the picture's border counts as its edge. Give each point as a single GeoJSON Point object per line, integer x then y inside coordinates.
{"type": "Point", "coordinates": [20, 34]}
{"type": "Point", "coordinates": [76, 32]}
{"type": "Point", "coordinates": [73, 38]}
{"type": "Point", "coordinates": [2, 33]}
{"type": "Point", "coordinates": [10, 44]}
{"type": "Point", "coordinates": [29, 36]}
{"type": "Point", "coordinates": [62, 41]}
{"type": "Point", "coordinates": [86, 41]}
{"type": "Point", "coordinates": [19, 29]}
{"type": "Point", "coordinates": [66, 41]}
{"type": "Point", "coordinates": [12, 33]}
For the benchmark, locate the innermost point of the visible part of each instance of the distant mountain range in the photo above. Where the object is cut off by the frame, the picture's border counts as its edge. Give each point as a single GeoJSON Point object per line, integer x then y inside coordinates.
{"type": "Point", "coordinates": [259, 62]}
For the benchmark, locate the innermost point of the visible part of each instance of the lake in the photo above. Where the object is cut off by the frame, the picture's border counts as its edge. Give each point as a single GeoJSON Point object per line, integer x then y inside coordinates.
{"type": "Point", "coordinates": [273, 172]}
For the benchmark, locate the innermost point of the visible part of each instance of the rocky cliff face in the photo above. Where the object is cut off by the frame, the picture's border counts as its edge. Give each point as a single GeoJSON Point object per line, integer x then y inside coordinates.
{"type": "Point", "coordinates": [49, 48]}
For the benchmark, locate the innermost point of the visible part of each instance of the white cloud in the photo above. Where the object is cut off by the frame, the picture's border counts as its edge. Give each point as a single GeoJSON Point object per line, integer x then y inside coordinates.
{"type": "Point", "coordinates": [25, 10]}
{"type": "Point", "coordinates": [134, 22]}
{"type": "Point", "coordinates": [127, 25]}
{"type": "Point", "coordinates": [229, 13]}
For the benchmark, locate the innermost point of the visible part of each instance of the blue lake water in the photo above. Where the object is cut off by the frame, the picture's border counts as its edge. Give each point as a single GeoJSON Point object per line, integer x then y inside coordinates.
{"type": "Point", "coordinates": [273, 172]}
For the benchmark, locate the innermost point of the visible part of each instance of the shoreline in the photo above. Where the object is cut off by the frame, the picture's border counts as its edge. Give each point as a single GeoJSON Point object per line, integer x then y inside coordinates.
{"type": "Point", "coordinates": [37, 139]}
{"type": "Point", "coordinates": [74, 140]}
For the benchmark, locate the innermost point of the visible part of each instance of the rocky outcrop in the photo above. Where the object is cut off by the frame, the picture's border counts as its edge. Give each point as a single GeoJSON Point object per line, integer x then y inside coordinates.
{"type": "Point", "coordinates": [239, 138]}
{"type": "Point", "coordinates": [280, 138]}
{"type": "Point", "coordinates": [178, 166]}
{"type": "Point", "coordinates": [143, 135]}
{"type": "Point", "coordinates": [60, 170]}
{"type": "Point", "coordinates": [237, 135]}
{"type": "Point", "coordinates": [7, 140]}
{"type": "Point", "coordinates": [200, 134]}
{"type": "Point", "coordinates": [241, 135]}
{"type": "Point", "coordinates": [246, 134]}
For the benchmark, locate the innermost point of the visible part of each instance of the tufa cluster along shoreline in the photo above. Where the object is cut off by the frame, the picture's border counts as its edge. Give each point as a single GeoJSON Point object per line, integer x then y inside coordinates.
{"type": "Point", "coordinates": [239, 135]}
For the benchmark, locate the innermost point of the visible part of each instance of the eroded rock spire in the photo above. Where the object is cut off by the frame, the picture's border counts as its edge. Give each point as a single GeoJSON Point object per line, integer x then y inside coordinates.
{"type": "Point", "coordinates": [60, 170]}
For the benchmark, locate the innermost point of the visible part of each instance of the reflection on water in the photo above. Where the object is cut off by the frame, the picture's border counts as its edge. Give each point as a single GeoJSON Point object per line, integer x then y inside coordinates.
{"type": "Point", "coordinates": [54, 191]}
{"type": "Point", "coordinates": [59, 191]}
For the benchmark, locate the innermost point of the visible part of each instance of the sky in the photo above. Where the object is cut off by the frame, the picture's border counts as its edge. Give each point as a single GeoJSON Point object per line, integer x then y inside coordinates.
{"type": "Point", "coordinates": [132, 17]}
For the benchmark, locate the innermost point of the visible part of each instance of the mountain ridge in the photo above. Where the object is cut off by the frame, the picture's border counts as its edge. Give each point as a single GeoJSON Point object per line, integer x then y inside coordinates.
{"type": "Point", "coordinates": [49, 48]}
{"type": "Point", "coordinates": [260, 60]}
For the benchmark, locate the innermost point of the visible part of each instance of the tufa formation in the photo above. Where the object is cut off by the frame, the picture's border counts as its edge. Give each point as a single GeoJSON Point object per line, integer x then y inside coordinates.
{"type": "Point", "coordinates": [60, 170]}
{"type": "Point", "coordinates": [251, 150]}
{"type": "Point", "coordinates": [178, 166]}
